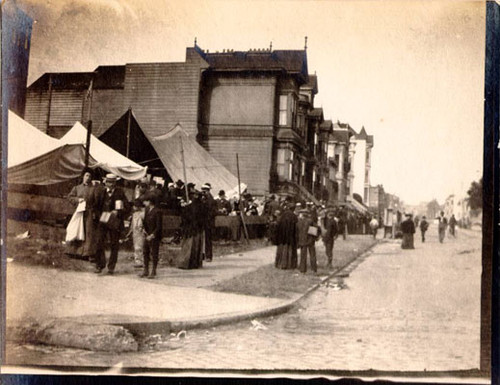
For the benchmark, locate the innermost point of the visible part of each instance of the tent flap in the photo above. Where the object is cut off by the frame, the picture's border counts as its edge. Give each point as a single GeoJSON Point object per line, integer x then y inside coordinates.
{"type": "Point", "coordinates": [201, 167]}
{"type": "Point", "coordinates": [63, 163]}
{"type": "Point", "coordinates": [108, 159]}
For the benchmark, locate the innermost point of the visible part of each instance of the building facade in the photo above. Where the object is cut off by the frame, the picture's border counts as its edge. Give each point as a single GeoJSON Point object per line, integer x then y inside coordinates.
{"type": "Point", "coordinates": [361, 165]}
{"type": "Point", "coordinates": [257, 104]}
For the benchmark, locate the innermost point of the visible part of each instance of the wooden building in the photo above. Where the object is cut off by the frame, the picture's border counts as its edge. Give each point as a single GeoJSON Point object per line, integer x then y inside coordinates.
{"type": "Point", "coordinates": [258, 104]}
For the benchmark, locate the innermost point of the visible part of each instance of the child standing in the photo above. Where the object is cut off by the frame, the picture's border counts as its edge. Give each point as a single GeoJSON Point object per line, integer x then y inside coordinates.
{"type": "Point", "coordinates": [153, 233]}
{"type": "Point", "coordinates": [137, 231]}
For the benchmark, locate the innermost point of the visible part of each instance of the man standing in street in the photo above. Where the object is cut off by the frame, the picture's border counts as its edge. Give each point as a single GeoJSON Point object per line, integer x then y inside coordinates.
{"type": "Point", "coordinates": [330, 232]}
{"type": "Point", "coordinates": [153, 233]}
{"type": "Point", "coordinates": [114, 205]}
{"type": "Point", "coordinates": [306, 240]}
{"type": "Point", "coordinates": [443, 223]}
{"type": "Point", "coordinates": [424, 225]}
{"type": "Point", "coordinates": [211, 212]}
{"type": "Point", "coordinates": [374, 227]}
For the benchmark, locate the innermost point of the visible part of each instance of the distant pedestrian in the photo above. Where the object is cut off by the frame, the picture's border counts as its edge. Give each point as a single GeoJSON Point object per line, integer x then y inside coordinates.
{"type": "Point", "coordinates": [424, 225]}
{"type": "Point", "coordinates": [452, 223]}
{"type": "Point", "coordinates": [307, 234]}
{"type": "Point", "coordinates": [286, 252]}
{"type": "Point", "coordinates": [408, 229]}
{"type": "Point", "coordinates": [443, 223]}
{"type": "Point", "coordinates": [153, 233]}
{"type": "Point", "coordinates": [374, 227]}
{"type": "Point", "coordinates": [330, 233]}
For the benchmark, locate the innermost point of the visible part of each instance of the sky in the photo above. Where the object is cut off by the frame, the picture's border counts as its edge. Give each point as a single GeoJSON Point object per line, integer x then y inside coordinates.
{"type": "Point", "coordinates": [410, 72]}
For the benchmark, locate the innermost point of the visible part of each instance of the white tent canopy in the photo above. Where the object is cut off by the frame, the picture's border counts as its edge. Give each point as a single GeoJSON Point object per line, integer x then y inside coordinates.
{"type": "Point", "coordinates": [106, 157]}
{"type": "Point", "coordinates": [26, 142]}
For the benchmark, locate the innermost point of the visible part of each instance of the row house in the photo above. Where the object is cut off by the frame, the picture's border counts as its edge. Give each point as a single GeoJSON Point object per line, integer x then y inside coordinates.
{"type": "Point", "coordinates": [340, 152]}
{"type": "Point", "coordinates": [257, 104]}
{"type": "Point", "coordinates": [377, 203]}
{"type": "Point", "coordinates": [361, 165]}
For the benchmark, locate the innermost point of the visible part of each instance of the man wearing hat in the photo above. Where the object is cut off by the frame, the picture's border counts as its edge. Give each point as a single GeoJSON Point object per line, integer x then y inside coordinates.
{"type": "Point", "coordinates": [211, 212]}
{"type": "Point", "coordinates": [306, 240]}
{"type": "Point", "coordinates": [408, 229]}
{"type": "Point", "coordinates": [153, 233]}
{"type": "Point", "coordinates": [114, 205]}
{"type": "Point", "coordinates": [331, 230]}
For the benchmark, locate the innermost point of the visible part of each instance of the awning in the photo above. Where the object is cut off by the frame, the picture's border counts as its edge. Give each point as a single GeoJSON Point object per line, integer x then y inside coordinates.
{"type": "Point", "coordinates": [107, 158]}
{"type": "Point", "coordinates": [357, 206]}
{"type": "Point", "coordinates": [201, 167]}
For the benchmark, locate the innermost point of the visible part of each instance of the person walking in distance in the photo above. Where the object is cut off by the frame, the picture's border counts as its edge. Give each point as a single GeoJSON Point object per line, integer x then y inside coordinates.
{"type": "Point", "coordinates": [443, 223]}
{"type": "Point", "coordinates": [424, 225]}
{"type": "Point", "coordinates": [408, 229]}
{"type": "Point", "coordinates": [114, 204]}
{"type": "Point", "coordinates": [330, 233]}
{"type": "Point", "coordinates": [374, 227]}
{"type": "Point", "coordinates": [153, 232]}
{"type": "Point", "coordinates": [452, 223]}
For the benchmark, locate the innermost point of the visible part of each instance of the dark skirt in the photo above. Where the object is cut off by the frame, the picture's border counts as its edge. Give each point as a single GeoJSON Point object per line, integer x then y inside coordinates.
{"type": "Point", "coordinates": [407, 242]}
{"type": "Point", "coordinates": [286, 257]}
{"type": "Point", "coordinates": [191, 252]}
{"type": "Point", "coordinates": [88, 247]}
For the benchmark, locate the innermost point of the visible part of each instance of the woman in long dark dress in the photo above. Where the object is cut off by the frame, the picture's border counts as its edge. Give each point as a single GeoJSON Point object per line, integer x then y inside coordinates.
{"type": "Point", "coordinates": [86, 192]}
{"type": "Point", "coordinates": [286, 239]}
{"type": "Point", "coordinates": [408, 229]}
{"type": "Point", "coordinates": [193, 224]}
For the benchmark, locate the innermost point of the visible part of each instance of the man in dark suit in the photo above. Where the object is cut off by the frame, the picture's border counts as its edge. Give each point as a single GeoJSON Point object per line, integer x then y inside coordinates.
{"type": "Point", "coordinates": [153, 232]}
{"type": "Point", "coordinates": [211, 212]}
{"type": "Point", "coordinates": [114, 205]}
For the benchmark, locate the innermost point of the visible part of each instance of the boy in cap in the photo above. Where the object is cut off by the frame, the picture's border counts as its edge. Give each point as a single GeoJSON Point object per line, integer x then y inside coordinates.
{"type": "Point", "coordinates": [153, 233]}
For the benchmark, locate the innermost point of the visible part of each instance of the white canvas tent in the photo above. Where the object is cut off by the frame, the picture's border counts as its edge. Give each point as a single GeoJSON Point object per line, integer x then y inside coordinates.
{"type": "Point", "coordinates": [36, 158]}
{"type": "Point", "coordinates": [201, 167]}
{"type": "Point", "coordinates": [106, 157]}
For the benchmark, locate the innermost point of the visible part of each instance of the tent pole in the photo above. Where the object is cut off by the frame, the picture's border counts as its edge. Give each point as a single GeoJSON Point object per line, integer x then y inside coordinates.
{"type": "Point", "coordinates": [128, 131]}
{"type": "Point", "coordinates": [184, 170]}
{"type": "Point", "coordinates": [239, 201]}
{"type": "Point", "coordinates": [89, 123]}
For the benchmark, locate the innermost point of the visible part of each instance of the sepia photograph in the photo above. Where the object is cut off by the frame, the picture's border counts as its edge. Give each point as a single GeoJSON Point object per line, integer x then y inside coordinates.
{"type": "Point", "coordinates": [245, 188]}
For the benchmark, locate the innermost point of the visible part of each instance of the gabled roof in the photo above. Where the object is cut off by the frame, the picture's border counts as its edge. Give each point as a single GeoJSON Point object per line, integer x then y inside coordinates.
{"type": "Point", "coordinates": [312, 84]}
{"type": "Point", "coordinates": [364, 136]}
{"type": "Point", "coordinates": [340, 136]}
{"type": "Point", "coordinates": [326, 125]}
{"type": "Point", "coordinates": [316, 113]}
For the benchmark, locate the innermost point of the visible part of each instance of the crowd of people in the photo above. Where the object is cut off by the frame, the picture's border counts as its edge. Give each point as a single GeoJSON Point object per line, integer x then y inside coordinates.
{"type": "Point", "coordinates": [103, 208]}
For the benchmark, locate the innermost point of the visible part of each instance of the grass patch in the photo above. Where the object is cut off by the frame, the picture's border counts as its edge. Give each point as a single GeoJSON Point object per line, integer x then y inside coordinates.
{"type": "Point", "coordinates": [268, 281]}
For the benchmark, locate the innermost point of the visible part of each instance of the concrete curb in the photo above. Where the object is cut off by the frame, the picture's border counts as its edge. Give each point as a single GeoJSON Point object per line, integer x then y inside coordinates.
{"type": "Point", "coordinates": [173, 326]}
{"type": "Point", "coordinates": [144, 328]}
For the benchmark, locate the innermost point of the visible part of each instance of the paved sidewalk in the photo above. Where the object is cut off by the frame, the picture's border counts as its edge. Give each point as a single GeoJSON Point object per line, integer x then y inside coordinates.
{"type": "Point", "coordinates": [176, 295]}
{"type": "Point", "coordinates": [175, 300]}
